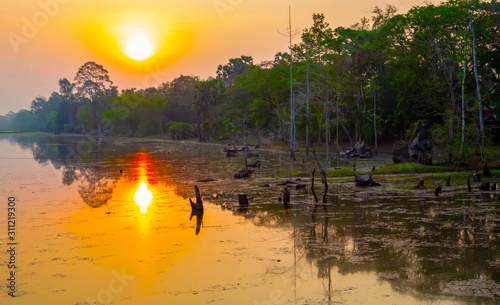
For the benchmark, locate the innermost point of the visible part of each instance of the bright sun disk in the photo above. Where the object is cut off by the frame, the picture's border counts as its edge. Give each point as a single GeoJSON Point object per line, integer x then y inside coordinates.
{"type": "Point", "coordinates": [138, 47]}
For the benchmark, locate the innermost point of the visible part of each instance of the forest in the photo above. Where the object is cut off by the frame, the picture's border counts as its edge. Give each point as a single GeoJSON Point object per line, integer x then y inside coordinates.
{"type": "Point", "coordinates": [438, 64]}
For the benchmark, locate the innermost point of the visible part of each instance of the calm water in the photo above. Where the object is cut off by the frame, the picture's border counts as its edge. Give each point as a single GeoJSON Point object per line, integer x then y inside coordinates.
{"type": "Point", "coordinates": [110, 223]}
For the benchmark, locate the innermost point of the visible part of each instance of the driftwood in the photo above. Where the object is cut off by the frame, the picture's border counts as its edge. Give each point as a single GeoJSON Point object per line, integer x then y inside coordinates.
{"type": "Point", "coordinates": [438, 190]}
{"type": "Point", "coordinates": [255, 164]}
{"type": "Point", "coordinates": [420, 184]}
{"type": "Point", "coordinates": [244, 173]}
{"type": "Point", "coordinates": [199, 201]}
{"type": "Point", "coordinates": [298, 185]}
{"type": "Point", "coordinates": [484, 186]}
{"type": "Point", "coordinates": [362, 150]}
{"type": "Point", "coordinates": [264, 185]}
{"type": "Point", "coordinates": [242, 199]}
{"type": "Point", "coordinates": [365, 180]}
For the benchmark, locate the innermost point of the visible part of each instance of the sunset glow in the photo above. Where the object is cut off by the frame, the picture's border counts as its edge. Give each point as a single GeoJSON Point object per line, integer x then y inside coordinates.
{"type": "Point", "coordinates": [138, 47]}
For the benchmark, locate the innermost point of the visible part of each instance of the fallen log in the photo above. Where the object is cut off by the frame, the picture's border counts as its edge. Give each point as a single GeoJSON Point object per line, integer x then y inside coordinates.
{"type": "Point", "coordinates": [365, 180]}
{"type": "Point", "coordinates": [298, 185]}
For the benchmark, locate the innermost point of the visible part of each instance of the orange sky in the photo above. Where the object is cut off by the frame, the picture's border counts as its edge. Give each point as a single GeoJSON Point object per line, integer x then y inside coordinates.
{"type": "Point", "coordinates": [42, 41]}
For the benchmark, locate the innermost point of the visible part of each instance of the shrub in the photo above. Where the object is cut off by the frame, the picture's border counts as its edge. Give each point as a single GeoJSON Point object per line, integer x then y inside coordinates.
{"type": "Point", "coordinates": [180, 131]}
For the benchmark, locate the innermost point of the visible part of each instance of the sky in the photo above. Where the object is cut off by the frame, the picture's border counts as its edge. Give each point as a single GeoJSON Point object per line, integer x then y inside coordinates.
{"type": "Point", "coordinates": [148, 42]}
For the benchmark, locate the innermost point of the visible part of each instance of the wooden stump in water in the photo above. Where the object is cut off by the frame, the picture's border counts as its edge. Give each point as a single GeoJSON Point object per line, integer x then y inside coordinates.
{"type": "Point", "coordinates": [420, 184]}
{"type": "Point", "coordinates": [485, 186]}
{"type": "Point", "coordinates": [448, 181]}
{"type": "Point", "coordinates": [286, 196]}
{"type": "Point", "coordinates": [468, 184]}
{"type": "Point", "coordinates": [438, 190]}
{"type": "Point", "coordinates": [242, 199]}
{"type": "Point", "coordinates": [494, 186]}
{"type": "Point", "coordinates": [476, 177]}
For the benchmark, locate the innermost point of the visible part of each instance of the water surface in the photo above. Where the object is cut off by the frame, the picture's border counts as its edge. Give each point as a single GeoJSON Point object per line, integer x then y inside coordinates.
{"type": "Point", "coordinates": [110, 223]}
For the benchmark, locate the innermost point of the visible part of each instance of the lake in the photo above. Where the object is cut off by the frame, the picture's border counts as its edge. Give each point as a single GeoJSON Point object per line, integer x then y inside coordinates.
{"type": "Point", "coordinates": [111, 223]}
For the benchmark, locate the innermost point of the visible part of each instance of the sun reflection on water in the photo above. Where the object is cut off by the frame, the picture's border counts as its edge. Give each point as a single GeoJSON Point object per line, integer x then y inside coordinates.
{"type": "Point", "coordinates": [143, 197]}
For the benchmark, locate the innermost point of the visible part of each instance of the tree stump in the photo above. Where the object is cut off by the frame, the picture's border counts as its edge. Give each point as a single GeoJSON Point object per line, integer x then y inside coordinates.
{"type": "Point", "coordinates": [485, 186]}
{"type": "Point", "coordinates": [286, 196]}
{"type": "Point", "coordinates": [494, 186]}
{"type": "Point", "coordinates": [448, 181]}
{"type": "Point", "coordinates": [438, 190]}
{"type": "Point", "coordinates": [420, 184]}
{"type": "Point", "coordinates": [242, 199]}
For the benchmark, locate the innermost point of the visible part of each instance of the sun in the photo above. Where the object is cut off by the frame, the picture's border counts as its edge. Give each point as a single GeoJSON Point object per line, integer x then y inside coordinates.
{"type": "Point", "coordinates": [138, 47]}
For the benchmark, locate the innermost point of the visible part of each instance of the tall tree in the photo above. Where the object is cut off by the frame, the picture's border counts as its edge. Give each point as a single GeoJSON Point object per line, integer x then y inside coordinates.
{"type": "Point", "coordinates": [93, 84]}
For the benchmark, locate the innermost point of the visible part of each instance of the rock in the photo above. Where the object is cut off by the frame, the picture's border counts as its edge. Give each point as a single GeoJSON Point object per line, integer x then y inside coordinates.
{"type": "Point", "coordinates": [264, 185]}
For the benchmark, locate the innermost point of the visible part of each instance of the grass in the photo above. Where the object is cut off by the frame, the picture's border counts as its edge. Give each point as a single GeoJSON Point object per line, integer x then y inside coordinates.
{"type": "Point", "coordinates": [414, 168]}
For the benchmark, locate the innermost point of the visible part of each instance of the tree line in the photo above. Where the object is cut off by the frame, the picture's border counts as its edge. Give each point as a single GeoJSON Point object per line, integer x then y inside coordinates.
{"type": "Point", "coordinates": [379, 77]}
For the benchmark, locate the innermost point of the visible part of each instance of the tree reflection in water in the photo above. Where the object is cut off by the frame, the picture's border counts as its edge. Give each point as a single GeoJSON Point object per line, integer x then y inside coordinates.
{"type": "Point", "coordinates": [418, 245]}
